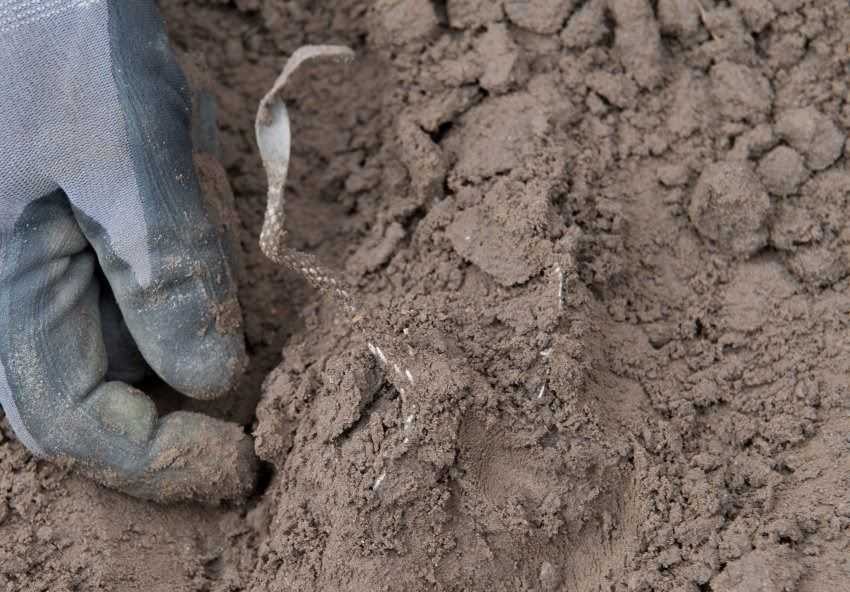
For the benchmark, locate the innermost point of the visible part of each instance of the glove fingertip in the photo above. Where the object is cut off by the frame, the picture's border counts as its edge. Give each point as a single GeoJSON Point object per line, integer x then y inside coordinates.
{"type": "Point", "coordinates": [202, 459]}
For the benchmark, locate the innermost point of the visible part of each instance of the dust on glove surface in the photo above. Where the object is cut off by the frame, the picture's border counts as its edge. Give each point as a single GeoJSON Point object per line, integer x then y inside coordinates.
{"type": "Point", "coordinates": [108, 257]}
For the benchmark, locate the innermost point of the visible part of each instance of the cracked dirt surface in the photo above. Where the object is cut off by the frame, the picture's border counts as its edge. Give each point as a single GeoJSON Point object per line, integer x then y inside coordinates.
{"type": "Point", "coordinates": [612, 234]}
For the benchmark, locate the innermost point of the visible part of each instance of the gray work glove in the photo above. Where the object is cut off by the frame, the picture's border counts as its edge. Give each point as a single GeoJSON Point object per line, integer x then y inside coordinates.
{"type": "Point", "coordinates": [99, 196]}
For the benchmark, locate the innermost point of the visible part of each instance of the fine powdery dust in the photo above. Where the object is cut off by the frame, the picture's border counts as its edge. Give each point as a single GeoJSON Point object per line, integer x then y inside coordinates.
{"type": "Point", "coordinates": [608, 242]}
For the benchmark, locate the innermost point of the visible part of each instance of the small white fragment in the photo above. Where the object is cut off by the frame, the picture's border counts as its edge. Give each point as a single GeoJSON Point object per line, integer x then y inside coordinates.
{"type": "Point", "coordinates": [560, 274]}
{"type": "Point", "coordinates": [409, 376]}
{"type": "Point", "coordinates": [379, 480]}
{"type": "Point", "coordinates": [542, 390]}
{"type": "Point", "coordinates": [406, 440]}
{"type": "Point", "coordinates": [407, 421]}
{"type": "Point", "coordinates": [397, 368]}
{"type": "Point", "coordinates": [410, 351]}
{"type": "Point", "coordinates": [381, 355]}
{"type": "Point", "coordinates": [546, 352]}
{"type": "Point", "coordinates": [406, 331]}
{"type": "Point", "coordinates": [372, 349]}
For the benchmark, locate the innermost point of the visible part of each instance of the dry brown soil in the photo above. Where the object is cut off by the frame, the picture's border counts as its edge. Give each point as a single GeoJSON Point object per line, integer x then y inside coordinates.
{"type": "Point", "coordinates": [611, 238]}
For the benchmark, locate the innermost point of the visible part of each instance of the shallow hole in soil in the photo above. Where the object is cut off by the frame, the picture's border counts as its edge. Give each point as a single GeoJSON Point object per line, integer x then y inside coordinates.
{"type": "Point", "coordinates": [265, 476]}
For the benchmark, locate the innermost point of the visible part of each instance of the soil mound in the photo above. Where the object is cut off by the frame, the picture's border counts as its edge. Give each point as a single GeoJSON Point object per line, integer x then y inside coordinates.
{"type": "Point", "coordinates": [606, 244]}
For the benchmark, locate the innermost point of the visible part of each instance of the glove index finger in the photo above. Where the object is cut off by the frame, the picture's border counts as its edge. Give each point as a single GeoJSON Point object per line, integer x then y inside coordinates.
{"type": "Point", "coordinates": [137, 198]}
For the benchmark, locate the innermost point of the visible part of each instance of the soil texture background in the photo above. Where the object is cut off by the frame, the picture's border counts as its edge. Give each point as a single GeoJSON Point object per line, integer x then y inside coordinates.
{"type": "Point", "coordinates": [606, 244]}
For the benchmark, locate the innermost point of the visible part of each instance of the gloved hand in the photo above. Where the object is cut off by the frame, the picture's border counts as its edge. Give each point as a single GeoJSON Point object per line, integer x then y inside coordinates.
{"type": "Point", "coordinates": [99, 196]}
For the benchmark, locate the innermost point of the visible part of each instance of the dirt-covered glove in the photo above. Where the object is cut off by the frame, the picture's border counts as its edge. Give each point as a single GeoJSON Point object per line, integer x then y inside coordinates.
{"type": "Point", "coordinates": [99, 196]}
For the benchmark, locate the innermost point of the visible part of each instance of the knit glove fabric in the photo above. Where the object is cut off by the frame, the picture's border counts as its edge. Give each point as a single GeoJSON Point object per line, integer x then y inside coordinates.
{"type": "Point", "coordinates": [108, 254]}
